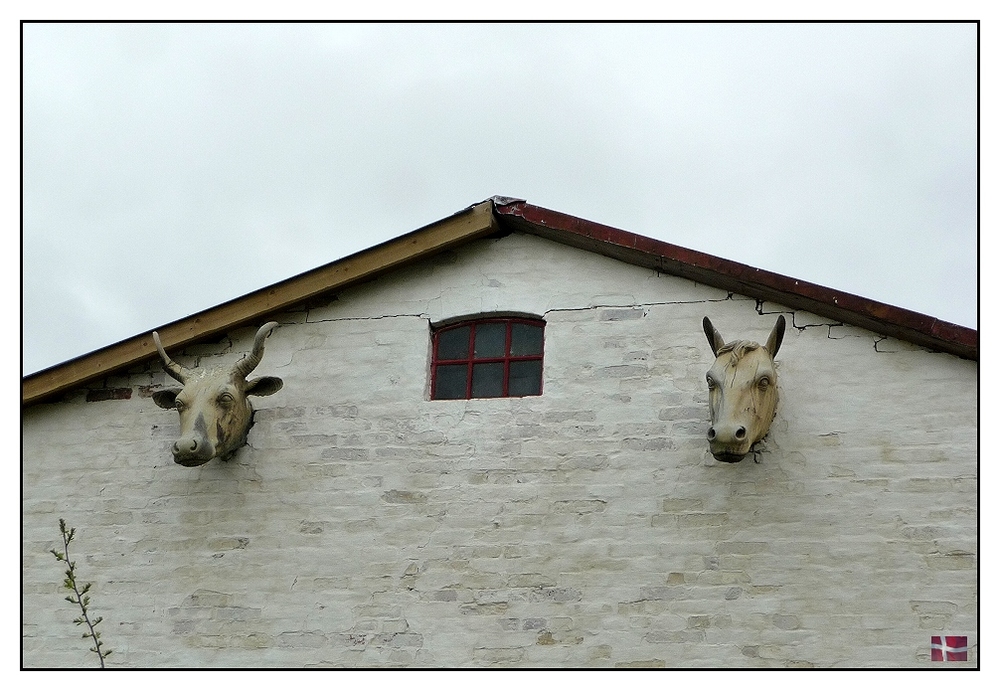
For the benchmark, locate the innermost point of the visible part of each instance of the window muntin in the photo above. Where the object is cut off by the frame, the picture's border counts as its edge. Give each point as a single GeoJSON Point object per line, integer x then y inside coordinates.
{"type": "Point", "coordinates": [488, 358]}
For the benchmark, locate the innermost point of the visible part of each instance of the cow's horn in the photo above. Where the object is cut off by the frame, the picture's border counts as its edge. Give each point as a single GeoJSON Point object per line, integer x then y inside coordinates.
{"type": "Point", "coordinates": [245, 366]}
{"type": "Point", "coordinates": [178, 372]}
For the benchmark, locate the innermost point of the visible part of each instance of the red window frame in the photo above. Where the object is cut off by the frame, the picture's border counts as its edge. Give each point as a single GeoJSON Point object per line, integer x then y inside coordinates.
{"type": "Point", "coordinates": [470, 360]}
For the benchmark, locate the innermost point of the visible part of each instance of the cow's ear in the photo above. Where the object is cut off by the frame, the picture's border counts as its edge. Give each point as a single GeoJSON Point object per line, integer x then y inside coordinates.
{"type": "Point", "coordinates": [165, 398]}
{"type": "Point", "coordinates": [263, 386]}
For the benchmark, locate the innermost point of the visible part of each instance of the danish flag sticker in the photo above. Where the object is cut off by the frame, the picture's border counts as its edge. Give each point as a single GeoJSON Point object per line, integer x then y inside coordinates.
{"type": "Point", "coordinates": [949, 648]}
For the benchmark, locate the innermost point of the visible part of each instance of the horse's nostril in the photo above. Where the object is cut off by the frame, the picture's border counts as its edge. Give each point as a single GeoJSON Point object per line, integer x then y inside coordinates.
{"type": "Point", "coordinates": [741, 432]}
{"type": "Point", "coordinates": [711, 433]}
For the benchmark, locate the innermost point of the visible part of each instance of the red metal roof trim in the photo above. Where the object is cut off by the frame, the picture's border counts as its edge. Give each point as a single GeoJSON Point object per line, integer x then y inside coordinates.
{"type": "Point", "coordinates": [884, 319]}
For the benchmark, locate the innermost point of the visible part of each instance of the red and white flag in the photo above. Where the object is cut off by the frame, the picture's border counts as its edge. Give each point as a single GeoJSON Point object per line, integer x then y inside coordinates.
{"type": "Point", "coordinates": [949, 648]}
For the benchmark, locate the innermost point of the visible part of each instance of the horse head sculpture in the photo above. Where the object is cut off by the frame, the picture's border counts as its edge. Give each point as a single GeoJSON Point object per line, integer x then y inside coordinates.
{"type": "Point", "coordinates": [742, 391]}
{"type": "Point", "coordinates": [215, 410]}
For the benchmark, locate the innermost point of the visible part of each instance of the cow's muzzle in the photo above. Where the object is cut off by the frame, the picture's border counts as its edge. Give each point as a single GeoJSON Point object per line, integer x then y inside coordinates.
{"type": "Point", "coordinates": [192, 452]}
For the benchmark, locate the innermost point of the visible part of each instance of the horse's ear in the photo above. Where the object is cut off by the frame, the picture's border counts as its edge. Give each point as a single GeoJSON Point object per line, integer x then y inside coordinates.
{"type": "Point", "coordinates": [714, 337]}
{"type": "Point", "coordinates": [777, 333]}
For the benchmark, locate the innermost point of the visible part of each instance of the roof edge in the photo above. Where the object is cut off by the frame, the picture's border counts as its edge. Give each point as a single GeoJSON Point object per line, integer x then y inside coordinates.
{"type": "Point", "coordinates": [483, 219]}
{"type": "Point", "coordinates": [475, 221]}
{"type": "Point", "coordinates": [883, 319]}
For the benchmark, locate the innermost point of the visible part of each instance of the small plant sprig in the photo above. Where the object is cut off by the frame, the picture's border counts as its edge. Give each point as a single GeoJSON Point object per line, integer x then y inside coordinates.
{"type": "Point", "coordinates": [79, 595]}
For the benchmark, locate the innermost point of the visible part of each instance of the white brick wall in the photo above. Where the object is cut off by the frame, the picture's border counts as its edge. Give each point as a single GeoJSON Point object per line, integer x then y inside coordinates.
{"type": "Point", "coordinates": [366, 525]}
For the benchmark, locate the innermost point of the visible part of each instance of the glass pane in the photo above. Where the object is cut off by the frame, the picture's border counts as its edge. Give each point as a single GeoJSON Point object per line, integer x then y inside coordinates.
{"type": "Point", "coordinates": [525, 378]}
{"type": "Point", "coordinates": [491, 340]}
{"type": "Point", "coordinates": [526, 339]}
{"type": "Point", "coordinates": [487, 380]}
{"type": "Point", "coordinates": [450, 380]}
{"type": "Point", "coordinates": [453, 344]}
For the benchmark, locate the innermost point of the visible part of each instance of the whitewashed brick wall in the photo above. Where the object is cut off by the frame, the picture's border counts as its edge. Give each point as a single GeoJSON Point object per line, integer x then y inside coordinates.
{"type": "Point", "coordinates": [366, 525]}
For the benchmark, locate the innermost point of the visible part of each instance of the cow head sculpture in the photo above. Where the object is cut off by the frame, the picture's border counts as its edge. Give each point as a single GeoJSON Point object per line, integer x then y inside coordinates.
{"type": "Point", "coordinates": [215, 410]}
{"type": "Point", "coordinates": [742, 391]}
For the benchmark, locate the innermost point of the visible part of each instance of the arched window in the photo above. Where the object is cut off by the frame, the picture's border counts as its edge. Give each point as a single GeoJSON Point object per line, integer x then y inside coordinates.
{"type": "Point", "coordinates": [487, 358]}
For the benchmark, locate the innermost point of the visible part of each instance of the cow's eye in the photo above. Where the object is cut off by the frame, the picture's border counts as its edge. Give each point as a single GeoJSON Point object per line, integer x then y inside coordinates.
{"type": "Point", "coordinates": [226, 398]}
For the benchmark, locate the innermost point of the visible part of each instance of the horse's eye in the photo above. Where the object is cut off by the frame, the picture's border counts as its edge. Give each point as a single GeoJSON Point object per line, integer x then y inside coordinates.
{"type": "Point", "coordinates": [711, 382]}
{"type": "Point", "coordinates": [179, 405]}
{"type": "Point", "coordinates": [763, 382]}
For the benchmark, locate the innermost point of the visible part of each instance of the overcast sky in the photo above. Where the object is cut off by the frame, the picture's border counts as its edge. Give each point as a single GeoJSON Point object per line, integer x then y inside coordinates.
{"type": "Point", "coordinates": [170, 167]}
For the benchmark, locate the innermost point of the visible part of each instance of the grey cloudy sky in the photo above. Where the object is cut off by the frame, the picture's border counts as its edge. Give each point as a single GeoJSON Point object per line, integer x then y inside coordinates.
{"type": "Point", "coordinates": [170, 167]}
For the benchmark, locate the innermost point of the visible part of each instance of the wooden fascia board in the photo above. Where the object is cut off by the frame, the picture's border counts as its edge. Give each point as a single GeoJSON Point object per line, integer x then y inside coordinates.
{"type": "Point", "coordinates": [474, 222]}
{"type": "Point", "coordinates": [883, 319]}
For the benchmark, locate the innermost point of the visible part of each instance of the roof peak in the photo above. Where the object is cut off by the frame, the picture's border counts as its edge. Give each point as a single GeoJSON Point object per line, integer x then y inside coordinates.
{"type": "Point", "coordinates": [499, 213]}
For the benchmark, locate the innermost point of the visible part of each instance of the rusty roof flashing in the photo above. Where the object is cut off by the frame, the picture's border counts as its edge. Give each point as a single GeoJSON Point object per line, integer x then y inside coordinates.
{"type": "Point", "coordinates": [883, 319]}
